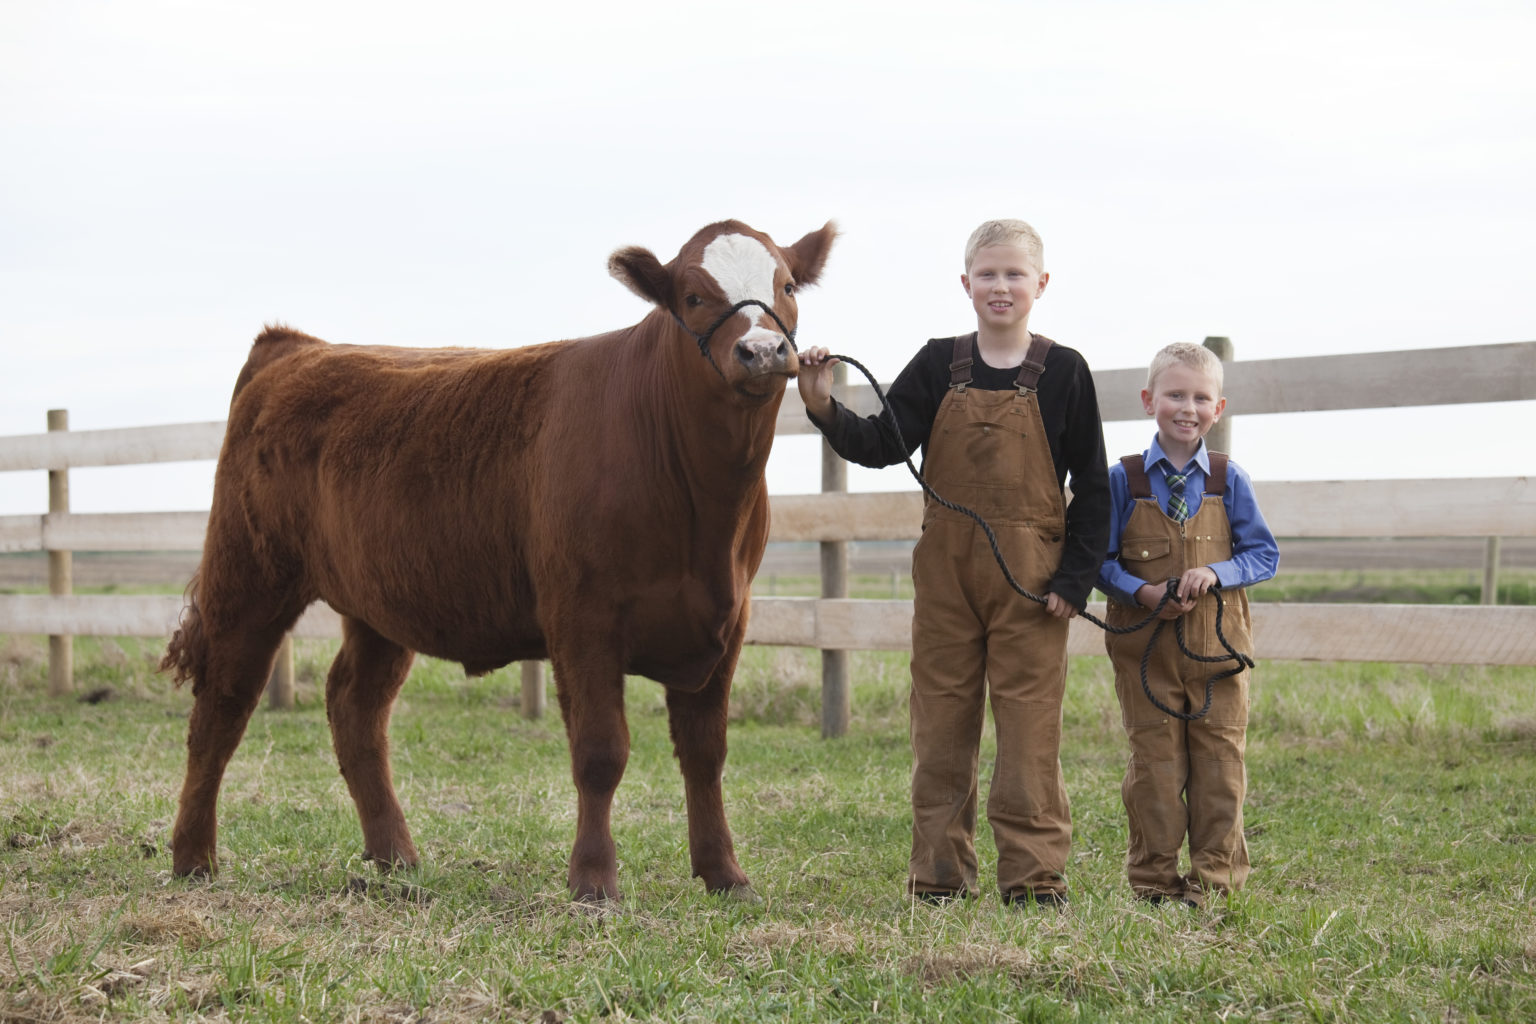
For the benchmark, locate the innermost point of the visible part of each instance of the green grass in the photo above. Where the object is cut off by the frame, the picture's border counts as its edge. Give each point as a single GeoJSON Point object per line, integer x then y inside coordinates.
{"type": "Point", "coordinates": [1389, 818]}
{"type": "Point", "coordinates": [1396, 586]}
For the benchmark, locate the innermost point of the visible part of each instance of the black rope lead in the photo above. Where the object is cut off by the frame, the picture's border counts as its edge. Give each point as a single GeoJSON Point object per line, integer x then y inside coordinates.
{"type": "Point", "coordinates": [1242, 660]}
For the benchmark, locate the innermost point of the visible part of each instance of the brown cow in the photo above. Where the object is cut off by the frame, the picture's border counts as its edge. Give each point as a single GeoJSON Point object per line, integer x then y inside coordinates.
{"type": "Point", "coordinates": [599, 502]}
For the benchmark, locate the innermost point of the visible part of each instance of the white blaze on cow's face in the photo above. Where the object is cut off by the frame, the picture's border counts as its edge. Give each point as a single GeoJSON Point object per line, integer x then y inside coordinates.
{"type": "Point", "coordinates": [744, 269]}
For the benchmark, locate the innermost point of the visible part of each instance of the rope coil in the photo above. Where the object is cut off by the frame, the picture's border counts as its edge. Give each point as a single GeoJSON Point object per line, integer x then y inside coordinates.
{"type": "Point", "coordinates": [1242, 660]}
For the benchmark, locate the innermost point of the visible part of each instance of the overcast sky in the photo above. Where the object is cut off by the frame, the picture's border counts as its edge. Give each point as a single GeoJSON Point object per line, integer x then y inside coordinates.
{"type": "Point", "coordinates": [1305, 178]}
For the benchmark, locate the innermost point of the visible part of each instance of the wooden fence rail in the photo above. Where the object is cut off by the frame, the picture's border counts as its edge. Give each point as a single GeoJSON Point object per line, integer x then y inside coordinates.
{"type": "Point", "coordinates": [1491, 508]}
{"type": "Point", "coordinates": [1429, 634]}
{"type": "Point", "coordinates": [1374, 380]}
{"type": "Point", "coordinates": [1473, 507]}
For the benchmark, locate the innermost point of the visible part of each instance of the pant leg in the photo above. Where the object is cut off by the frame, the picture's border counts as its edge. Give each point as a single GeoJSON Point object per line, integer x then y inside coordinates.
{"type": "Point", "coordinates": [947, 707]}
{"type": "Point", "coordinates": [1027, 803]}
{"type": "Point", "coordinates": [1156, 775]}
{"type": "Point", "coordinates": [1218, 783]}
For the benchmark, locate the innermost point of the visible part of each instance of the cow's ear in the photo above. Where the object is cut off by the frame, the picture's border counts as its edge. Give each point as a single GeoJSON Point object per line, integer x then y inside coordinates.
{"type": "Point", "coordinates": [807, 256]}
{"type": "Point", "coordinates": [642, 273]}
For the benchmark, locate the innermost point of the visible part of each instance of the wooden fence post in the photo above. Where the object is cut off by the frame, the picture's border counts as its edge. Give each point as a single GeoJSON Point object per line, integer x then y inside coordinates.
{"type": "Point", "coordinates": [1220, 437]}
{"type": "Point", "coordinates": [835, 697]}
{"type": "Point", "coordinates": [280, 682]}
{"type": "Point", "coordinates": [61, 649]}
{"type": "Point", "coordinates": [1491, 572]}
{"type": "Point", "coordinates": [533, 690]}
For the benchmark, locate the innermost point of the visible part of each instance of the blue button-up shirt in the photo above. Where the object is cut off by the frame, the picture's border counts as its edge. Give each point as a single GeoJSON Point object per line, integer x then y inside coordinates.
{"type": "Point", "coordinates": [1255, 556]}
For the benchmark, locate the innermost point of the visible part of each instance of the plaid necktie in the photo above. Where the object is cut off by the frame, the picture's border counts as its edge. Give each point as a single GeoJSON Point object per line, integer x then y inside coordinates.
{"type": "Point", "coordinates": [1178, 508]}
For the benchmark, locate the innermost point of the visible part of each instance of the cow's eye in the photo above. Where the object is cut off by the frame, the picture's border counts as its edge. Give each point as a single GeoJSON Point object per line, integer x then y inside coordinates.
{"type": "Point", "coordinates": [694, 300]}
{"type": "Point", "coordinates": [789, 287]}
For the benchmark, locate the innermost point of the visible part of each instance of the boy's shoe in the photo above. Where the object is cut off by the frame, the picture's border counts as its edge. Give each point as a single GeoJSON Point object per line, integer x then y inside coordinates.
{"type": "Point", "coordinates": [1025, 898]}
{"type": "Point", "coordinates": [1157, 899]}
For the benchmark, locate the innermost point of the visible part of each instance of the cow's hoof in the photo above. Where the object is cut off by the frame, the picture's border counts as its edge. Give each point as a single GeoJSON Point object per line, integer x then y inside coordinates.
{"type": "Point", "coordinates": [743, 893]}
{"type": "Point", "coordinates": [193, 867]}
{"type": "Point", "coordinates": [598, 893]}
{"type": "Point", "coordinates": [597, 906]}
{"type": "Point", "coordinates": [390, 862]}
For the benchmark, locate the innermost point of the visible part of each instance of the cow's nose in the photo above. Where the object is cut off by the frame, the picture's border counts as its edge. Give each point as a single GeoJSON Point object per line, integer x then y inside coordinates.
{"type": "Point", "coordinates": [763, 356]}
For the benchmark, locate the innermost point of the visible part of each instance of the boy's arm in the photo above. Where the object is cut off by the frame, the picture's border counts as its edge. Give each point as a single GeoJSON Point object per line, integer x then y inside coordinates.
{"type": "Point", "coordinates": [872, 440]}
{"type": "Point", "coordinates": [1255, 555]}
{"type": "Point", "coordinates": [1088, 514]}
{"type": "Point", "coordinates": [1114, 580]}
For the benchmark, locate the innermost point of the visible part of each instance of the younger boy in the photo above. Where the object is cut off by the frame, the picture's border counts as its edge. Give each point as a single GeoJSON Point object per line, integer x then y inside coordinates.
{"type": "Point", "coordinates": [1003, 416]}
{"type": "Point", "coordinates": [1181, 512]}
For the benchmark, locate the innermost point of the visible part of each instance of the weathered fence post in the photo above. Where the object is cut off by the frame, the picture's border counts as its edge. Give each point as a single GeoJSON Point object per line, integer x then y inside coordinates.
{"type": "Point", "coordinates": [835, 698]}
{"type": "Point", "coordinates": [1491, 572]}
{"type": "Point", "coordinates": [61, 649]}
{"type": "Point", "coordinates": [1220, 437]}
{"type": "Point", "coordinates": [280, 682]}
{"type": "Point", "coordinates": [533, 690]}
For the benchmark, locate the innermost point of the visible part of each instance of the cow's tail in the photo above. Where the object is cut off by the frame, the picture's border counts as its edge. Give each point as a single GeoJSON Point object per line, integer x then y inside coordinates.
{"type": "Point", "coordinates": [187, 654]}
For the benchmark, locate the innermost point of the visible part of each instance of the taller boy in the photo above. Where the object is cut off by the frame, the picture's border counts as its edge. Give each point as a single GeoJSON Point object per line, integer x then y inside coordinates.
{"type": "Point", "coordinates": [1003, 417]}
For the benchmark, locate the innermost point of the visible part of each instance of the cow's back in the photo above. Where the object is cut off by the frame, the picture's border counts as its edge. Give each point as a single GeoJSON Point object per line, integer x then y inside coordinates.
{"type": "Point", "coordinates": [388, 481]}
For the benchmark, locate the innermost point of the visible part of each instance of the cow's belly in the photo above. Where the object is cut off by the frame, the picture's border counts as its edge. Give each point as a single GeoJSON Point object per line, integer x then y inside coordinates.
{"type": "Point", "coordinates": [481, 625]}
{"type": "Point", "coordinates": [673, 629]}
{"type": "Point", "coordinates": [479, 647]}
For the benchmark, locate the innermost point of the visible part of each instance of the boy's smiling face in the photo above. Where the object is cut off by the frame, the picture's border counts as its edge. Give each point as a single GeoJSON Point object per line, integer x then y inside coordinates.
{"type": "Point", "coordinates": [1186, 403]}
{"type": "Point", "coordinates": [1003, 284]}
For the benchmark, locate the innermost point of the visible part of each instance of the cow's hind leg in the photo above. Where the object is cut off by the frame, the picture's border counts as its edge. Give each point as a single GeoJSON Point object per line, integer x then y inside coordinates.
{"type": "Point", "coordinates": [591, 690]}
{"type": "Point", "coordinates": [698, 739]}
{"type": "Point", "coordinates": [234, 660]}
{"type": "Point", "coordinates": [360, 692]}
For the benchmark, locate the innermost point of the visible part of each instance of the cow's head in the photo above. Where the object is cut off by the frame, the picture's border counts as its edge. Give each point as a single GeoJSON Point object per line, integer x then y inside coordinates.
{"type": "Point", "coordinates": [733, 290]}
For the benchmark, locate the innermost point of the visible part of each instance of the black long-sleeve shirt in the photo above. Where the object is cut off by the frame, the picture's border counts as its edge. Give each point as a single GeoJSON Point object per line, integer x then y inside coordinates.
{"type": "Point", "coordinates": [1069, 408]}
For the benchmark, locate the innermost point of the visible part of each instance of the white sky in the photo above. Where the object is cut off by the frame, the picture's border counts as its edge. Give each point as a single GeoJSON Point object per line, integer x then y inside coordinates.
{"type": "Point", "coordinates": [1305, 178]}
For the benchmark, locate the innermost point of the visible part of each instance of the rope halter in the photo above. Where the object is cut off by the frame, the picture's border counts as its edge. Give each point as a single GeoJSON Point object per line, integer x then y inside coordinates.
{"type": "Point", "coordinates": [708, 335]}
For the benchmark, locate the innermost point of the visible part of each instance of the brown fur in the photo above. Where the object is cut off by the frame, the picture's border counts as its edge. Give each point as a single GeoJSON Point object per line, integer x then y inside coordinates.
{"type": "Point", "coordinates": [598, 502]}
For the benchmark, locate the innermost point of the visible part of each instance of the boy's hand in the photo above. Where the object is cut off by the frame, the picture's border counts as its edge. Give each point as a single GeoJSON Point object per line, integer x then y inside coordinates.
{"type": "Point", "coordinates": [1195, 582]}
{"type": "Point", "coordinates": [1148, 594]}
{"type": "Point", "coordinates": [1059, 606]}
{"type": "Point", "coordinates": [815, 382]}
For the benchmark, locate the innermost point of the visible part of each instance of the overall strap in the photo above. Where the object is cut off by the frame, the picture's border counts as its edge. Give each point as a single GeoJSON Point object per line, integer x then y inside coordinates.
{"type": "Point", "coordinates": [1136, 476]}
{"type": "Point", "coordinates": [960, 367]}
{"type": "Point", "coordinates": [1216, 479]}
{"type": "Point", "coordinates": [1034, 363]}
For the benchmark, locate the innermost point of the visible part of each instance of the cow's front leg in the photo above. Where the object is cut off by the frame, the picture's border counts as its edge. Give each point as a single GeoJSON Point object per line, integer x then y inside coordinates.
{"type": "Point", "coordinates": [698, 739]}
{"type": "Point", "coordinates": [592, 704]}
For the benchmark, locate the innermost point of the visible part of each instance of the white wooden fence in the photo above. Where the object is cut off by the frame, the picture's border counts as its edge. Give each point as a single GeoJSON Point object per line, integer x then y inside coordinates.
{"type": "Point", "coordinates": [1473, 635]}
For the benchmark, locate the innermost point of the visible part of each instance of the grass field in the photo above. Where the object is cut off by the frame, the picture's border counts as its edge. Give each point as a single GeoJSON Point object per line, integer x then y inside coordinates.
{"type": "Point", "coordinates": [1390, 821]}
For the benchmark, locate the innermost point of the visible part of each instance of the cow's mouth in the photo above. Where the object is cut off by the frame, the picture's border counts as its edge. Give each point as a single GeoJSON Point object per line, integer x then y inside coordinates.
{"type": "Point", "coordinates": [766, 386]}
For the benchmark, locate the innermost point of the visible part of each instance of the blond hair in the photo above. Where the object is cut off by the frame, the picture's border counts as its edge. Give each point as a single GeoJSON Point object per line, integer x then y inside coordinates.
{"type": "Point", "coordinates": [1196, 357]}
{"type": "Point", "coordinates": [1006, 232]}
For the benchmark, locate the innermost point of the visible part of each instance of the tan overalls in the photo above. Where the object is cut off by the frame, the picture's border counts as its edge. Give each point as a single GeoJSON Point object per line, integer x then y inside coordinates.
{"type": "Point", "coordinates": [971, 632]}
{"type": "Point", "coordinates": [1183, 777]}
